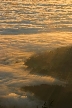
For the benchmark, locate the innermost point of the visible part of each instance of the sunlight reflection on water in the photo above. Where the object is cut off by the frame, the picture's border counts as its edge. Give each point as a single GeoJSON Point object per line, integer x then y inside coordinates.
{"type": "Point", "coordinates": [28, 27]}
{"type": "Point", "coordinates": [27, 17]}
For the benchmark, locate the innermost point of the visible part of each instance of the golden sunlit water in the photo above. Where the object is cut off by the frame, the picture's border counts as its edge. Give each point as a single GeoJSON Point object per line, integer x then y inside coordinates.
{"type": "Point", "coordinates": [28, 27]}
{"type": "Point", "coordinates": [34, 16]}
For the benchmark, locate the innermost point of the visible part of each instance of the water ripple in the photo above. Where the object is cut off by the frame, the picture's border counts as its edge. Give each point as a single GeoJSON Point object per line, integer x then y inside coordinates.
{"type": "Point", "coordinates": [23, 17]}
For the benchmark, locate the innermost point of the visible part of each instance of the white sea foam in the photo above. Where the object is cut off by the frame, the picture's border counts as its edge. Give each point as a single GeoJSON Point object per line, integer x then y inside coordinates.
{"type": "Point", "coordinates": [52, 19]}
{"type": "Point", "coordinates": [13, 52]}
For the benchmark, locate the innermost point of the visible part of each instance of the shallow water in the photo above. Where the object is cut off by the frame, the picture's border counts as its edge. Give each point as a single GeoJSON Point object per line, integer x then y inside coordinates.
{"type": "Point", "coordinates": [27, 27]}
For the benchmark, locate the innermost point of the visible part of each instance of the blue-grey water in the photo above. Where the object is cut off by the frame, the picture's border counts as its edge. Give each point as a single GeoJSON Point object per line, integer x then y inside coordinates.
{"type": "Point", "coordinates": [26, 27]}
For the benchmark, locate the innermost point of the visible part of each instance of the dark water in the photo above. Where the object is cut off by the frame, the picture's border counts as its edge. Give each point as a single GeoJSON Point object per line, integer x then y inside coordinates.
{"type": "Point", "coordinates": [26, 27]}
